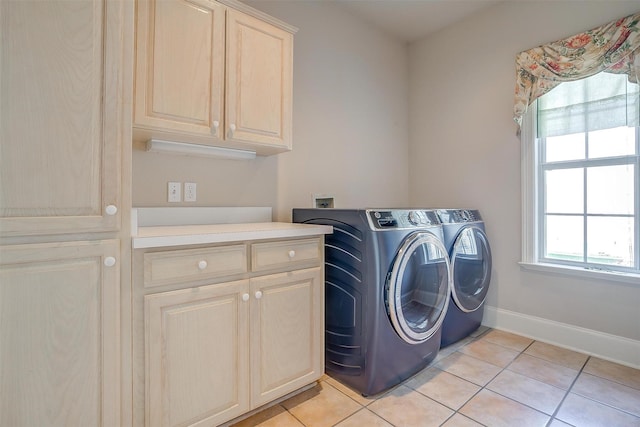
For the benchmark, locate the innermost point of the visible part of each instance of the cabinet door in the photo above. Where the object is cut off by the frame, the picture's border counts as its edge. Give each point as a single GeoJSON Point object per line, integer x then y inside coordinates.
{"type": "Point", "coordinates": [179, 67]}
{"type": "Point", "coordinates": [287, 335]}
{"type": "Point", "coordinates": [259, 82]}
{"type": "Point", "coordinates": [59, 329]}
{"type": "Point", "coordinates": [197, 355]}
{"type": "Point", "coordinates": [61, 90]}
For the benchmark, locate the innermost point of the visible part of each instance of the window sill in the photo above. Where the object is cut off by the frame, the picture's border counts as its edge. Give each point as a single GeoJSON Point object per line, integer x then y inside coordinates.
{"type": "Point", "coordinates": [613, 276]}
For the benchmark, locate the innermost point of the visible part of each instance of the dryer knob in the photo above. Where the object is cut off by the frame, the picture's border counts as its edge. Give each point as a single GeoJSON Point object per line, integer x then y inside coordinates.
{"type": "Point", "coordinates": [417, 217]}
{"type": "Point", "coordinates": [467, 215]}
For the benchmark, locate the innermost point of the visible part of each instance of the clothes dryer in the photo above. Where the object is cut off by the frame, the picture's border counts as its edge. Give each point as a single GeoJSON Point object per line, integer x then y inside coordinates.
{"type": "Point", "coordinates": [470, 254]}
{"type": "Point", "coordinates": [388, 280]}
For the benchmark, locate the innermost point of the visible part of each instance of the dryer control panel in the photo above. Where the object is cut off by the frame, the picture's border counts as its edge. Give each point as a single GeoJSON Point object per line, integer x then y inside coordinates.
{"type": "Point", "coordinates": [401, 219]}
{"type": "Point", "coordinates": [456, 216]}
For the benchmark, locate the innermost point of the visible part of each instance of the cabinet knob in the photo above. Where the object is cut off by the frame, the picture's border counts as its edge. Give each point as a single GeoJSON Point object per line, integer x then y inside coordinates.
{"type": "Point", "coordinates": [292, 254]}
{"type": "Point", "coordinates": [245, 297]}
{"type": "Point", "coordinates": [109, 261]}
{"type": "Point", "coordinates": [216, 125]}
{"type": "Point", "coordinates": [258, 294]}
{"type": "Point", "coordinates": [232, 129]}
{"type": "Point", "coordinates": [202, 264]}
{"type": "Point", "coordinates": [111, 210]}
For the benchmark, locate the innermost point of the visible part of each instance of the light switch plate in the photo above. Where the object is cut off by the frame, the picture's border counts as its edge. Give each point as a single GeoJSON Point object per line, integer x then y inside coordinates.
{"type": "Point", "coordinates": [173, 192]}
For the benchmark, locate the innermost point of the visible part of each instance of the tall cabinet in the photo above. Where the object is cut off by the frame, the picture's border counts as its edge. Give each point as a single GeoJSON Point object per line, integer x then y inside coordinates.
{"type": "Point", "coordinates": [65, 133]}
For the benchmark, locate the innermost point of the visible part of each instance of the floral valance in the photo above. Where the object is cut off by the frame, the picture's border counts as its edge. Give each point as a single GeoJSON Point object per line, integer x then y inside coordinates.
{"type": "Point", "coordinates": [614, 47]}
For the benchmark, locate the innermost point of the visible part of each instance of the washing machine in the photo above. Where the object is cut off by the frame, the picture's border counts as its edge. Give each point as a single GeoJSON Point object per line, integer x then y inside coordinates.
{"type": "Point", "coordinates": [470, 254]}
{"type": "Point", "coordinates": [388, 280]}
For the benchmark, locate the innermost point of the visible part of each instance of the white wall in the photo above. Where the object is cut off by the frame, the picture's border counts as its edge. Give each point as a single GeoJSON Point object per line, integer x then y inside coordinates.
{"type": "Point", "coordinates": [464, 153]}
{"type": "Point", "coordinates": [350, 132]}
{"type": "Point", "coordinates": [220, 182]}
{"type": "Point", "coordinates": [350, 112]}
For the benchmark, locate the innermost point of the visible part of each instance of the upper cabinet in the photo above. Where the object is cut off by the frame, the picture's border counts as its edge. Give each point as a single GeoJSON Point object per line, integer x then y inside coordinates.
{"type": "Point", "coordinates": [209, 74]}
{"type": "Point", "coordinates": [259, 82]}
{"type": "Point", "coordinates": [61, 125]}
{"type": "Point", "coordinates": [180, 67]}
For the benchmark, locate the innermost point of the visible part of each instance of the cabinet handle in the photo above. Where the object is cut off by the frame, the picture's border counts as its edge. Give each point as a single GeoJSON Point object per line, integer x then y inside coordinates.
{"type": "Point", "coordinates": [111, 210]}
{"type": "Point", "coordinates": [109, 261]}
{"type": "Point", "coordinates": [245, 297]}
{"type": "Point", "coordinates": [258, 294]}
{"type": "Point", "coordinates": [202, 264]}
{"type": "Point", "coordinates": [292, 254]}
{"type": "Point", "coordinates": [216, 125]}
{"type": "Point", "coordinates": [232, 129]}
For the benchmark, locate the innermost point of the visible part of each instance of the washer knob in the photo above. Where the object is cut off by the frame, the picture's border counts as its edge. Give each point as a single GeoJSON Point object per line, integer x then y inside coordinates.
{"type": "Point", "coordinates": [416, 217]}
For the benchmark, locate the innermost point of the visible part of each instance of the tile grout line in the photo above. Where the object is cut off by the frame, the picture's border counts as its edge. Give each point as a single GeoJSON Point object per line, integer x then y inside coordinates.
{"type": "Point", "coordinates": [566, 394]}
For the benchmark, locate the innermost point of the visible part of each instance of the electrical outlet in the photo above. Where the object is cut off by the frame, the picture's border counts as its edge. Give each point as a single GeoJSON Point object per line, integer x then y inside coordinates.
{"type": "Point", "coordinates": [322, 201]}
{"type": "Point", "coordinates": [174, 193]}
{"type": "Point", "coordinates": [189, 191]}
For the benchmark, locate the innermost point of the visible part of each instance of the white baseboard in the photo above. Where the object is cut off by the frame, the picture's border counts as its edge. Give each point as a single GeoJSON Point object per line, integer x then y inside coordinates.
{"type": "Point", "coordinates": [605, 346]}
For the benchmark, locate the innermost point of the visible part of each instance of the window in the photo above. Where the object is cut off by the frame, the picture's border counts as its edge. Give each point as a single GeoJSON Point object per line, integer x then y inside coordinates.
{"type": "Point", "coordinates": [583, 181]}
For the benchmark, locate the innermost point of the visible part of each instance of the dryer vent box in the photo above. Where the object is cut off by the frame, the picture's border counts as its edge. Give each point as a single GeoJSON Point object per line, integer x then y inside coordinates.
{"type": "Point", "coordinates": [322, 201]}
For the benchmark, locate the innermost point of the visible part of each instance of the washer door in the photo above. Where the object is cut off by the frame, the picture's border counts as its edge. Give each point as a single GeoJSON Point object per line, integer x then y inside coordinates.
{"type": "Point", "coordinates": [418, 287]}
{"type": "Point", "coordinates": [471, 264]}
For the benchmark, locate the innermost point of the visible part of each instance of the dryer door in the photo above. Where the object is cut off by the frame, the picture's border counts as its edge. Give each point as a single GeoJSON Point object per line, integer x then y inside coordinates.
{"type": "Point", "coordinates": [471, 265]}
{"type": "Point", "coordinates": [418, 287]}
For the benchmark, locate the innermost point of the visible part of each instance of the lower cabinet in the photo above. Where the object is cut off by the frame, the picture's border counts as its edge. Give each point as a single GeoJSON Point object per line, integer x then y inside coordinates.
{"type": "Point", "coordinates": [287, 328]}
{"type": "Point", "coordinates": [60, 334]}
{"type": "Point", "coordinates": [197, 347]}
{"type": "Point", "coordinates": [213, 352]}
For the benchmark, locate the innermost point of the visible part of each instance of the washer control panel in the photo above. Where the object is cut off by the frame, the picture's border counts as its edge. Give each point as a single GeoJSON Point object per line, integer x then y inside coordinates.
{"type": "Point", "coordinates": [380, 219]}
{"type": "Point", "coordinates": [456, 216]}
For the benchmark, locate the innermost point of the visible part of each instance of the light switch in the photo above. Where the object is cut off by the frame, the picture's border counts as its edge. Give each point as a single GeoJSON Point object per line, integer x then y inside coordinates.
{"type": "Point", "coordinates": [174, 193]}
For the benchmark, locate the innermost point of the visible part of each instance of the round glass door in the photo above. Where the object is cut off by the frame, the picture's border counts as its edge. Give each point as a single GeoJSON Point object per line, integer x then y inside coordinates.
{"type": "Point", "coordinates": [471, 265]}
{"type": "Point", "coordinates": [418, 287]}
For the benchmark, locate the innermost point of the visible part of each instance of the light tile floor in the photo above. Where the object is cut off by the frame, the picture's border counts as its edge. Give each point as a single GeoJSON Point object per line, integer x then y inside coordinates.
{"type": "Point", "coordinates": [492, 378]}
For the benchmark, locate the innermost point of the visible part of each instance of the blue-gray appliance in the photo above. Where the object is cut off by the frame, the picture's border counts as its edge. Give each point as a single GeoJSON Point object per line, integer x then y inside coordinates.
{"type": "Point", "coordinates": [470, 254]}
{"type": "Point", "coordinates": [388, 282]}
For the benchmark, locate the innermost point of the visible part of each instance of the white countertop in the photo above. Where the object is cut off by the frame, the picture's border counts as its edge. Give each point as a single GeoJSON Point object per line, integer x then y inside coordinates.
{"type": "Point", "coordinates": [177, 235]}
{"type": "Point", "coordinates": [160, 227]}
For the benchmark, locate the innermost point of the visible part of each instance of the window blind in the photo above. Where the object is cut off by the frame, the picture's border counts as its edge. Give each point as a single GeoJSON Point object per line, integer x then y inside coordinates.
{"type": "Point", "coordinates": [603, 101]}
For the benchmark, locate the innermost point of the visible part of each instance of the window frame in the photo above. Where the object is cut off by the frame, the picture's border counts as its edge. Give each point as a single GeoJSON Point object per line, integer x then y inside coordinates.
{"type": "Point", "coordinates": [533, 210]}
